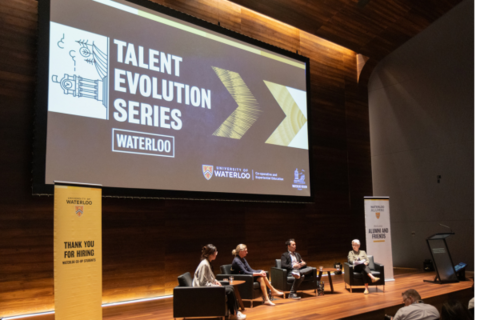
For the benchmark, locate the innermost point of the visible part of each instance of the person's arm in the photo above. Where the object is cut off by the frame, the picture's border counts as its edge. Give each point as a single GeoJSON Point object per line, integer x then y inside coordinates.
{"type": "Point", "coordinates": [204, 275]}
{"type": "Point", "coordinates": [351, 257]}
{"type": "Point", "coordinates": [365, 257]}
{"type": "Point", "coordinates": [255, 273]}
{"type": "Point", "coordinates": [399, 315]}
{"type": "Point", "coordinates": [242, 268]}
{"type": "Point", "coordinates": [300, 260]}
{"type": "Point", "coordinates": [200, 275]}
{"type": "Point", "coordinates": [286, 264]}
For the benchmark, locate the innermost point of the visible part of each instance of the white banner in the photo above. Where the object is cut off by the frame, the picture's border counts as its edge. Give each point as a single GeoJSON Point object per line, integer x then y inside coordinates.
{"type": "Point", "coordinates": [378, 232]}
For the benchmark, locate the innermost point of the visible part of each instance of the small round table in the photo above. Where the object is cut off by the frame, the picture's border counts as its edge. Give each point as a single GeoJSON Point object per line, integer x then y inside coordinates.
{"type": "Point", "coordinates": [328, 270]}
{"type": "Point", "coordinates": [235, 284]}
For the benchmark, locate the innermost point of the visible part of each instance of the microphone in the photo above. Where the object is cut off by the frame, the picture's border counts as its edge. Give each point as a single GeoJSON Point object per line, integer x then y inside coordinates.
{"type": "Point", "coordinates": [446, 227]}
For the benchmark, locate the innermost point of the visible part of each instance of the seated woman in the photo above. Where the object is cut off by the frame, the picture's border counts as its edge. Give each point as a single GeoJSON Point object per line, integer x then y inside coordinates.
{"type": "Point", "coordinates": [204, 277]}
{"type": "Point", "coordinates": [355, 257]}
{"type": "Point", "coordinates": [241, 266]}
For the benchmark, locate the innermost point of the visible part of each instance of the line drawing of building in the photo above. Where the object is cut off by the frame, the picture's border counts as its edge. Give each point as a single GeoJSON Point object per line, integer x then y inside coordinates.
{"type": "Point", "coordinates": [81, 87]}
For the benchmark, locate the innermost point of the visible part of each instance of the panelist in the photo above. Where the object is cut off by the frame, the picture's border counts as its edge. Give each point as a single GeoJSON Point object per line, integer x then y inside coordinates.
{"type": "Point", "coordinates": [360, 261]}
{"type": "Point", "coordinates": [241, 266]}
{"type": "Point", "coordinates": [296, 267]}
{"type": "Point", "coordinates": [204, 277]}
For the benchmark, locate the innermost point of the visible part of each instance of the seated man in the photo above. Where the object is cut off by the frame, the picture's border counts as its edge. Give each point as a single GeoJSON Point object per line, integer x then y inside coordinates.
{"type": "Point", "coordinates": [296, 267]}
{"type": "Point", "coordinates": [415, 308]}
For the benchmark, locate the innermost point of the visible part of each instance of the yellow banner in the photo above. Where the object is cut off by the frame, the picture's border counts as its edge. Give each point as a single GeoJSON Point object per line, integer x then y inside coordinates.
{"type": "Point", "coordinates": [78, 253]}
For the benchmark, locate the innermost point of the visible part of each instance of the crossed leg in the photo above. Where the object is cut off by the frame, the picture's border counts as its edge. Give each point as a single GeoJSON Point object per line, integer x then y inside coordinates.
{"type": "Point", "coordinates": [264, 283]}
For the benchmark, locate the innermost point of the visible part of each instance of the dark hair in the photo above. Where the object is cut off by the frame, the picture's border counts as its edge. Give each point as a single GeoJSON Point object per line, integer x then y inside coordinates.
{"type": "Point", "coordinates": [412, 293]}
{"type": "Point", "coordinates": [207, 251]}
{"type": "Point", "coordinates": [287, 243]}
{"type": "Point", "coordinates": [453, 310]}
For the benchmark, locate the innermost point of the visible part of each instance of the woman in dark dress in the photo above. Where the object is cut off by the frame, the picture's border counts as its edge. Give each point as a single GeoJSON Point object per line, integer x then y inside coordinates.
{"type": "Point", "coordinates": [241, 266]}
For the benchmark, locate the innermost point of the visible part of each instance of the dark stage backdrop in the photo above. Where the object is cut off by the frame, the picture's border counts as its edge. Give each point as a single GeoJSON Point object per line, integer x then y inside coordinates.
{"type": "Point", "coordinates": [148, 243]}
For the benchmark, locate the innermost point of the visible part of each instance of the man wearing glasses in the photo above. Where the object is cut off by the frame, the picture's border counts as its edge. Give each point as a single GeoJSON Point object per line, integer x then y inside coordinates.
{"type": "Point", "coordinates": [414, 308]}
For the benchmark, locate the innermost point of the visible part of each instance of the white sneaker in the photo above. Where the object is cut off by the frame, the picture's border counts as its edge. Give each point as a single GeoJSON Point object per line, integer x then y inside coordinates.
{"type": "Point", "coordinates": [241, 316]}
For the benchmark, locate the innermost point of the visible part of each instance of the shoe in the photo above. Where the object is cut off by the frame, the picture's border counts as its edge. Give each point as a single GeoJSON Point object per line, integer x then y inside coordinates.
{"type": "Point", "coordinates": [366, 291]}
{"type": "Point", "coordinates": [375, 279]}
{"type": "Point", "coordinates": [269, 303]}
{"type": "Point", "coordinates": [277, 293]}
{"type": "Point", "coordinates": [294, 296]}
{"type": "Point", "coordinates": [241, 316]}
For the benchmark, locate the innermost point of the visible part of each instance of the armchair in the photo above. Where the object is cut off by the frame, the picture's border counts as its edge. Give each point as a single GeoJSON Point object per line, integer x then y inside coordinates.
{"type": "Point", "coordinates": [355, 278]}
{"type": "Point", "coordinates": [280, 280]}
{"type": "Point", "coordinates": [250, 290]}
{"type": "Point", "coordinates": [195, 302]}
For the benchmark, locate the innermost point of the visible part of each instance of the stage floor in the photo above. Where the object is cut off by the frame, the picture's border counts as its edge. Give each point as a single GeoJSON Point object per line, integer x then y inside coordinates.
{"type": "Point", "coordinates": [341, 304]}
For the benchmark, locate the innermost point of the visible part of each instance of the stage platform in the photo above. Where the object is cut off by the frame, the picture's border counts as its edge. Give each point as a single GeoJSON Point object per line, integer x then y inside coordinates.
{"type": "Point", "coordinates": [341, 304]}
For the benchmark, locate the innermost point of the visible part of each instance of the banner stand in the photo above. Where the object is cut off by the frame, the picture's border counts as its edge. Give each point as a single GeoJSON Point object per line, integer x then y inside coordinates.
{"type": "Point", "coordinates": [77, 251]}
{"type": "Point", "coordinates": [378, 232]}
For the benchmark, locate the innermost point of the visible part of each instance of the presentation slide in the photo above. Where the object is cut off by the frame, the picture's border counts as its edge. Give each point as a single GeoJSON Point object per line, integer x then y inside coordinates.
{"type": "Point", "coordinates": [139, 99]}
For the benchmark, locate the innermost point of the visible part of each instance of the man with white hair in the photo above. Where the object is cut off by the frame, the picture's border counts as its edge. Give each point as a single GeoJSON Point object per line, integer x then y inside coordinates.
{"type": "Point", "coordinates": [360, 261]}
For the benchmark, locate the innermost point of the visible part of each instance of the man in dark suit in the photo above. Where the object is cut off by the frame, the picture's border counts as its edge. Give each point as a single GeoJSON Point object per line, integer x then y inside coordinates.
{"type": "Point", "coordinates": [296, 267]}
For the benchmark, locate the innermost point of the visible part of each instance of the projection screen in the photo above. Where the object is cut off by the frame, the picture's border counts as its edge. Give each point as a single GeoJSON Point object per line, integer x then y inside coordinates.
{"type": "Point", "coordinates": [144, 100]}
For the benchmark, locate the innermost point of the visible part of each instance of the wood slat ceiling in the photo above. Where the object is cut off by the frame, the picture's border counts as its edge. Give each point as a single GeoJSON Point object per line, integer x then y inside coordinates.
{"type": "Point", "coordinates": [374, 30]}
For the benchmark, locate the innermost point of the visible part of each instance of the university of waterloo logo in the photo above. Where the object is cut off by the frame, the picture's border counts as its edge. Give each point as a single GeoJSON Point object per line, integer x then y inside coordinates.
{"type": "Point", "coordinates": [377, 214]}
{"type": "Point", "coordinates": [207, 171]}
{"type": "Point", "coordinates": [79, 210]}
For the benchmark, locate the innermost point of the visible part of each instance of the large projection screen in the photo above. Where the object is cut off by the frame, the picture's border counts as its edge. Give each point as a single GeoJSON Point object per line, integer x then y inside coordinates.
{"type": "Point", "coordinates": [145, 101]}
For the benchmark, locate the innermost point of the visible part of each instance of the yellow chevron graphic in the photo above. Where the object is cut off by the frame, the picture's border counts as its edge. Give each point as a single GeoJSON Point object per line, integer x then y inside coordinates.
{"type": "Point", "coordinates": [247, 112]}
{"type": "Point", "coordinates": [294, 120]}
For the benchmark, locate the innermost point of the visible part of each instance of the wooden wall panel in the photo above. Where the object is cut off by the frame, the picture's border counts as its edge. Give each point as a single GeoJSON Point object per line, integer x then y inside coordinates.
{"type": "Point", "coordinates": [148, 243]}
{"type": "Point", "coordinates": [374, 30]}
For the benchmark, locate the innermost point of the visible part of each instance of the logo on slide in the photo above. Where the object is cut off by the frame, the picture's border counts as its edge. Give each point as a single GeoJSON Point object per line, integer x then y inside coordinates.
{"type": "Point", "coordinates": [78, 72]}
{"type": "Point", "coordinates": [299, 180]}
{"type": "Point", "coordinates": [207, 171]}
{"type": "Point", "coordinates": [299, 177]}
{"type": "Point", "coordinates": [377, 214]}
{"type": "Point", "coordinates": [79, 210]}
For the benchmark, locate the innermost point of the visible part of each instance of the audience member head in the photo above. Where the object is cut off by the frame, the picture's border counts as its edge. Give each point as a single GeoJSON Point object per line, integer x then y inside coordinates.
{"type": "Point", "coordinates": [291, 245]}
{"type": "Point", "coordinates": [209, 252]}
{"type": "Point", "coordinates": [411, 296]}
{"type": "Point", "coordinates": [355, 245]}
{"type": "Point", "coordinates": [454, 310]}
{"type": "Point", "coordinates": [240, 250]}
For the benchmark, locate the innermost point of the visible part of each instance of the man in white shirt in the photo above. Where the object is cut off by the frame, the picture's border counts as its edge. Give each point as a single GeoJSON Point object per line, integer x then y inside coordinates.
{"type": "Point", "coordinates": [292, 261]}
{"type": "Point", "coordinates": [415, 309]}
